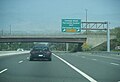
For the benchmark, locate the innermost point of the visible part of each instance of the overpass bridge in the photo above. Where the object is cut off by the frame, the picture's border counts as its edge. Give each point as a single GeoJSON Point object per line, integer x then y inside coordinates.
{"type": "Point", "coordinates": [93, 40]}
{"type": "Point", "coordinates": [61, 39]}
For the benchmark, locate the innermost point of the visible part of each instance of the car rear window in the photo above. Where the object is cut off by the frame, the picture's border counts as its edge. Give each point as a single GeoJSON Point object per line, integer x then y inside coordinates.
{"type": "Point", "coordinates": [41, 48]}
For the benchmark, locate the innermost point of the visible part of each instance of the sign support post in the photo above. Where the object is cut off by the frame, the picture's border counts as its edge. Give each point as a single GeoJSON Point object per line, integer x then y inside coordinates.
{"type": "Point", "coordinates": [108, 38]}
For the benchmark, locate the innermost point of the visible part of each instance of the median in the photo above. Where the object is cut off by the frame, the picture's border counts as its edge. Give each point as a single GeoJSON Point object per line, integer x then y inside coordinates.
{"type": "Point", "coordinates": [7, 53]}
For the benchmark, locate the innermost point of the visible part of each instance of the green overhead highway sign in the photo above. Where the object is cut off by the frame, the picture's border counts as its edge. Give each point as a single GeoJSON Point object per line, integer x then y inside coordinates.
{"type": "Point", "coordinates": [71, 25]}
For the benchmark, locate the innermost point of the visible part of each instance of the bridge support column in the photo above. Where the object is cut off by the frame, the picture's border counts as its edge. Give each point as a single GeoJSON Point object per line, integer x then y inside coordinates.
{"type": "Point", "coordinates": [67, 46]}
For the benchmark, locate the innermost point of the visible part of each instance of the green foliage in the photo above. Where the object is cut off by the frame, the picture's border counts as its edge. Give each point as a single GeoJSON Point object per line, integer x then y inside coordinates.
{"type": "Point", "coordinates": [73, 47]}
{"type": "Point", "coordinates": [86, 47]}
{"type": "Point", "coordinates": [117, 33]}
{"type": "Point", "coordinates": [15, 46]}
{"type": "Point", "coordinates": [57, 46]}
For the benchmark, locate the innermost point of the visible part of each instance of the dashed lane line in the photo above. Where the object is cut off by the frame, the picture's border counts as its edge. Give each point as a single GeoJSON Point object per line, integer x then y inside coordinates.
{"type": "Point", "coordinates": [77, 70]}
{"type": "Point", "coordinates": [20, 61]}
{"type": "Point", "coordinates": [104, 57]}
{"type": "Point", "coordinates": [94, 59]}
{"type": "Point", "coordinates": [83, 56]}
{"type": "Point", "coordinates": [3, 71]}
{"type": "Point", "coordinates": [114, 64]}
{"type": "Point", "coordinates": [27, 57]}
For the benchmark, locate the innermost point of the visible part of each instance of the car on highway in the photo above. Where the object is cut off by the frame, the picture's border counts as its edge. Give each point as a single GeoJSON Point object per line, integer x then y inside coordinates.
{"type": "Point", "coordinates": [40, 53]}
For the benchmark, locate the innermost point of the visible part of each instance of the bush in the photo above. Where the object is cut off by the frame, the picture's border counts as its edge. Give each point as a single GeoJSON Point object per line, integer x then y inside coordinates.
{"type": "Point", "coordinates": [86, 47]}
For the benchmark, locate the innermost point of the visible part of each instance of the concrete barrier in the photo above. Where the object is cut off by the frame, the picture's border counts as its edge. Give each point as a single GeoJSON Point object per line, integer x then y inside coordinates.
{"type": "Point", "coordinates": [6, 53]}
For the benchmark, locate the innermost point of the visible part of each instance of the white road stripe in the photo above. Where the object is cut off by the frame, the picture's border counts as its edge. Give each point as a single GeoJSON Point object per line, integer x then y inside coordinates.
{"type": "Point", "coordinates": [83, 56]}
{"type": "Point", "coordinates": [27, 57]}
{"type": "Point", "coordinates": [20, 61]}
{"type": "Point", "coordinates": [3, 70]}
{"type": "Point", "coordinates": [114, 63]}
{"type": "Point", "coordinates": [76, 69]}
{"type": "Point", "coordinates": [94, 59]}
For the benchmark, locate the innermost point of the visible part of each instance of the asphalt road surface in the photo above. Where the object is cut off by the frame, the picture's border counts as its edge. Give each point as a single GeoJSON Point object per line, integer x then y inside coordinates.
{"type": "Point", "coordinates": [64, 67]}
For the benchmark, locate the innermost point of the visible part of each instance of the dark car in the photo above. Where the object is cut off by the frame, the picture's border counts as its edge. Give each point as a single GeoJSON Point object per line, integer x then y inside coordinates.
{"type": "Point", "coordinates": [40, 53]}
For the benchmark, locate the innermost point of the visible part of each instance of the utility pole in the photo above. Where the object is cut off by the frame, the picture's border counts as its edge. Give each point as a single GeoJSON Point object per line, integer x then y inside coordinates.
{"type": "Point", "coordinates": [2, 32]}
{"type": "Point", "coordinates": [10, 29]}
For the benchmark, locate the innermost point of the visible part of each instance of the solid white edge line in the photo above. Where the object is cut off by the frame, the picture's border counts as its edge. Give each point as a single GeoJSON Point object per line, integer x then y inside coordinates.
{"type": "Point", "coordinates": [114, 63]}
{"type": "Point", "coordinates": [76, 69]}
{"type": "Point", "coordinates": [3, 70]}
{"type": "Point", "coordinates": [20, 61]}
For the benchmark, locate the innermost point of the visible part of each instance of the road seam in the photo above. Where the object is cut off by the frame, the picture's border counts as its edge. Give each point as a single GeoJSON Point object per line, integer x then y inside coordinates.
{"type": "Point", "coordinates": [94, 59]}
{"type": "Point", "coordinates": [77, 70]}
{"type": "Point", "coordinates": [3, 71]}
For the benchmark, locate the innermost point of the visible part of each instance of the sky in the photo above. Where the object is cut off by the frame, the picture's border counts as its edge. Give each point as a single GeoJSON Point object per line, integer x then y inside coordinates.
{"type": "Point", "coordinates": [45, 15]}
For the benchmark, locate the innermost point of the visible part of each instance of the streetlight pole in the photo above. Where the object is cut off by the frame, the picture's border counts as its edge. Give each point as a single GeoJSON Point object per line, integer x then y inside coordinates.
{"type": "Point", "coordinates": [10, 29]}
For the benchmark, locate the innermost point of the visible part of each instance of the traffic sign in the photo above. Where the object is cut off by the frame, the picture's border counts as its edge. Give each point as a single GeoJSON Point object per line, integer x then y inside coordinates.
{"type": "Point", "coordinates": [71, 25]}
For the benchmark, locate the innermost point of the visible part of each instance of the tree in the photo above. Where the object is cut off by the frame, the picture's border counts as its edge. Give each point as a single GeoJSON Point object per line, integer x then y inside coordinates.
{"type": "Point", "coordinates": [86, 47]}
{"type": "Point", "coordinates": [117, 33]}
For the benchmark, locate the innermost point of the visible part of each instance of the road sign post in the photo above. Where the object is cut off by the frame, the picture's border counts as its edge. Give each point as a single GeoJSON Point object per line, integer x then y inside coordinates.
{"type": "Point", "coordinates": [108, 38]}
{"type": "Point", "coordinates": [71, 25]}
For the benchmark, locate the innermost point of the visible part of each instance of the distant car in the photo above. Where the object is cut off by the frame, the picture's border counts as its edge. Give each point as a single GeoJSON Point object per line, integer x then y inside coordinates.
{"type": "Point", "coordinates": [40, 53]}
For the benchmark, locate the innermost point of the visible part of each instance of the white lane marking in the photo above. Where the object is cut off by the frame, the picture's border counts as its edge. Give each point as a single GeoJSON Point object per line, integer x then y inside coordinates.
{"type": "Point", "coordinates": [27, 57]}
{"type": "Point", "coordinates": [114, 63]}
{"type": "Point", "coordinates": [94, 59]}
{"type": "Point", "coordinates": [83, 56]}
{"type": "Point", "coordinates": [77, 70]}
{"type": "Point", "coordinates": [20, 61]}
{"type": "Point", "coordinates": [76, 55]}
{"type": "Point", "coordinates": [3, 70]}
{"type": "Point", "coordinates": [105, 57]}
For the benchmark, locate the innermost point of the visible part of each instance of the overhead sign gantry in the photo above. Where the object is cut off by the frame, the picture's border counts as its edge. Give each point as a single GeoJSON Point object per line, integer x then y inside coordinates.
{"type": "Point", "coordinates": [75, 25]}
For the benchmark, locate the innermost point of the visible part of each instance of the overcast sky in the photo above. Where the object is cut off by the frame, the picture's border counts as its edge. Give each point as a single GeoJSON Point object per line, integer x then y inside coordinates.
{"type": "Point", "coordinates": [46, 15]}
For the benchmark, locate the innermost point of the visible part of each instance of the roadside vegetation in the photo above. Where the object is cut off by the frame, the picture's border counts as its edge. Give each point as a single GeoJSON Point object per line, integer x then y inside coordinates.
{"type": "Point", "coordinates": [114, 43]}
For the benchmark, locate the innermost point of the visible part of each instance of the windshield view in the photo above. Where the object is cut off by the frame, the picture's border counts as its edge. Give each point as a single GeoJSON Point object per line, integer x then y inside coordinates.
{"type": "Point", "coordinates": [59, 40]}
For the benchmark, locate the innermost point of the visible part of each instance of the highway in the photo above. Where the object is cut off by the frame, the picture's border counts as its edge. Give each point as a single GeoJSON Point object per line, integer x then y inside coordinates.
{"type": "Point", "coordinates": [64, 67]}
